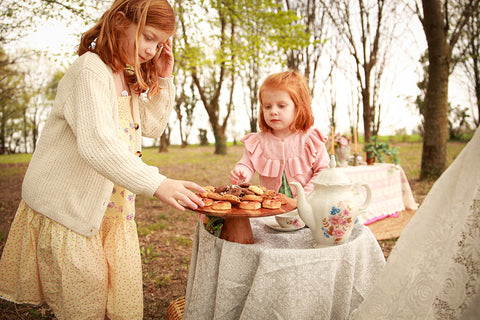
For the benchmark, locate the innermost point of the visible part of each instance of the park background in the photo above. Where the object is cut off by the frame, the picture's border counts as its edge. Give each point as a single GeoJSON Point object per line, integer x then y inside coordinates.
{"type": "Point", "coordinates": [224, 49]}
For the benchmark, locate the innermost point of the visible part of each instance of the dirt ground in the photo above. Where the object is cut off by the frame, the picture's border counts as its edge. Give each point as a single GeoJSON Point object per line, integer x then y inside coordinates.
{"type": "Point", "coordinates": [165, 247]}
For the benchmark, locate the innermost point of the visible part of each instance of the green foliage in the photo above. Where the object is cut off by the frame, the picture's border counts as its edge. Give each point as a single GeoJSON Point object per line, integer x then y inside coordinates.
{"type": "Point", "coordinates": [13, 100]}
{"type": "Point", "coordinates": [182, 241]}
{"type": "Point", "coordinates": [52, 85]}
{"type": "Point", "coordinates": [144, 230]}
{"type": "Point", "coordinates": [163, 281]}
{"type": "Point", "coordinates": [148, 253]}
{"type": "Point", "coordinates": [214, 225]}
{"type": "Point", "coordinates": [381, 148]}
{"type": "Point", "coordinates": [17, 18]}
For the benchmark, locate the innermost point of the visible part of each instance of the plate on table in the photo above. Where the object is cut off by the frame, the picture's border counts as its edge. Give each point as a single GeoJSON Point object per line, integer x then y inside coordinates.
{"type": "Point", "coordinates": [275, 226]}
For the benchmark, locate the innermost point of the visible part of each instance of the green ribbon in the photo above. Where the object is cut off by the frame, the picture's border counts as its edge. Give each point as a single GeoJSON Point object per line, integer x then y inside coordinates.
{"type": "Point", "coordinates": [285, 187]}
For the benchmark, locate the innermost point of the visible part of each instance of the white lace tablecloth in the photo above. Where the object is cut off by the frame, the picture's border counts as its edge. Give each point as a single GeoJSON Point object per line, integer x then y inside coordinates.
{"type": "Point", "coordinates": [391, 192]}
{"type": "Point", "coordinates": [281, 276]}
{"type": "Point", "coordinates": [434, 270]}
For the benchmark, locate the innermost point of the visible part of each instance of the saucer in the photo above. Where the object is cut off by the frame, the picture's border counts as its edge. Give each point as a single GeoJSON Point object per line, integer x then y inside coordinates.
{"type": "Point", "coordinates": [275, 226]}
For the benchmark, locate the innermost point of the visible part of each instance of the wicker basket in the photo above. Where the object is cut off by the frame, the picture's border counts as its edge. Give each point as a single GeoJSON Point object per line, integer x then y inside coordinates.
{"type": "Point", "coordinates": [175, 309]}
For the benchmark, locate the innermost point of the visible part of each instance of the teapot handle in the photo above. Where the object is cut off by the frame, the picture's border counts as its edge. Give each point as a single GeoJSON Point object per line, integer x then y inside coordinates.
{"type": "Point", "coordinates": [368, 198]}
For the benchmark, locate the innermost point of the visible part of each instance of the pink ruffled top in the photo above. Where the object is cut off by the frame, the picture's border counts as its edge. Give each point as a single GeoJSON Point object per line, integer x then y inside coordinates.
{"type": "Point", "coordinates": [301, 155]}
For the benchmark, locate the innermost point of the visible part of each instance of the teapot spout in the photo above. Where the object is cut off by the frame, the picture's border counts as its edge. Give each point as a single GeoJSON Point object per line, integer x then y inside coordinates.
{"type": "Point", "coordinates": [304, 208]}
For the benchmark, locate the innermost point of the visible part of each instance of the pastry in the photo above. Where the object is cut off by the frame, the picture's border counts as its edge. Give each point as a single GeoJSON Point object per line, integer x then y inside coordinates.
{"type": "Point", "coordinates": [256, 189]}
{"type": "Point", "coordinates": [207, 202]}
{"type": "Point", "coordinates": [230, 198]}
{"type": "Point", "coordinates": [271, 204]}
{"type": "Point", "coordinates": [207, 189]}
{"type": "Point", "coordinates": [250, 205]}
{"type": "Point", "coordinates": [252, 197]}
{"type": "Point", "coordinates": [221, 189]}
{"type": "Point", "coordinates": [283, 198]}
{"type": "Point", "coordinates": [221, 205]}
{"type": "Point", "coordinates": [235, 190]}
{"type": "Point", "coordinates": [247, 191]}
{"type": "Point", "coordinates": [213, 195]}
{"type": "Point", "coordinates": [277, 196]}
{"type": "Point", "coordinates": [270, 193]}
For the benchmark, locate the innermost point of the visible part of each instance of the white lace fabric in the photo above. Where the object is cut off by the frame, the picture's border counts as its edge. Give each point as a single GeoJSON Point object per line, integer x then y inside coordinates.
{"type": "Point", "coordinates": [433, 272]}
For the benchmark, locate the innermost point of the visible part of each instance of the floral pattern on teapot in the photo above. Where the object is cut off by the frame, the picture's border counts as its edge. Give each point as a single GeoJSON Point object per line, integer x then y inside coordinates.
{"type": "Point", "coordinates": [339, 221]}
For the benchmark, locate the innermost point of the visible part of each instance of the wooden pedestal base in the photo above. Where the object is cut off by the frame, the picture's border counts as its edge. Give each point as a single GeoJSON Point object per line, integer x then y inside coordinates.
{"type": "Point", "coordinates": [237, 229]}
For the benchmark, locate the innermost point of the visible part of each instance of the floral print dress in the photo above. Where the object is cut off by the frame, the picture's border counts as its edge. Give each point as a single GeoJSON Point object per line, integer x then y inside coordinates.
{"type": "Point", "coordinates": [79, 277]}
{"type": "Point", "coordinates": [125, 293]}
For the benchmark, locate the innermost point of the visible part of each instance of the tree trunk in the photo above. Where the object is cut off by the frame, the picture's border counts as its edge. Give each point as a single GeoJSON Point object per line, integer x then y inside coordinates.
{"type": "Point", "coordinates": [3, 149]}
{"type": "Point", "coordinates": [367, 112]}
{"type": "Point", "coordinates": [436, 99]}
{"type": "Point", "coordinates": [220, 141]}
{"type": "Point", "coordinates": [163, 142]}
{"type": "Point", "coordinates": [476, 75]}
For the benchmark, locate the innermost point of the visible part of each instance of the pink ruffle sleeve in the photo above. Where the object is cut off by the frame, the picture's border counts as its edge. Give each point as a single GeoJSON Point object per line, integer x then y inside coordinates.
{"type": "Point", "coordinates": [313, 146]}
{"type": "Point", "coordinates": [317, 160]}
{"type": "Point", "coordinates": [263, 162]}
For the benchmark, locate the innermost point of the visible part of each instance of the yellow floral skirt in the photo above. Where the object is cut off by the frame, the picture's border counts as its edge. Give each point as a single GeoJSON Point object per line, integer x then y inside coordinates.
{"type": "Point", "coordinates": [77, 276]}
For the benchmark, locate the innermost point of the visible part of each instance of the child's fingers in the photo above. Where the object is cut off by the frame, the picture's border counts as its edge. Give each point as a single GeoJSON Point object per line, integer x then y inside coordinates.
{"type": "Point", "coordinates": [193, 186]}
{"type": "Point", "coordinates": [236, 177]}
{"type": "Point", "coordinates": [175, 204]}
{"type": "Point", "coordinates": [241, 176]}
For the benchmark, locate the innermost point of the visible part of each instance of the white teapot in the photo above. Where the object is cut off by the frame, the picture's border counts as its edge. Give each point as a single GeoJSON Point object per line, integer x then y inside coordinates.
{"type": "Point", "coordinates": [332, 208]}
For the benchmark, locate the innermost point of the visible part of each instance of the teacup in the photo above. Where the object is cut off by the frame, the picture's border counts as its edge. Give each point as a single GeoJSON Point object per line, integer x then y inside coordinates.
{"type": "Point", "coordinates": [290, 220]}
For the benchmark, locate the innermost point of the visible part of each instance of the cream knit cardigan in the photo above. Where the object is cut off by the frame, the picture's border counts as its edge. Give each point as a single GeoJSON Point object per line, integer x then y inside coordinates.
{"type": "Point", "coordinates": [79, 156]}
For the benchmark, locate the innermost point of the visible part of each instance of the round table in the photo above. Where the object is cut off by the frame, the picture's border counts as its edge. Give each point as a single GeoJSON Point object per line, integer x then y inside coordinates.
{"type": "Point", "coordinates": [280, 276]}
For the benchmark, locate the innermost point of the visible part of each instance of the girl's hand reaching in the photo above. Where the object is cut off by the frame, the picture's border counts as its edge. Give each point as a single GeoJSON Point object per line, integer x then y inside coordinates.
{"type": "Point", "coordinates": [237, 176]}
{"type": "Point", "coordinates": [164, 60]}
{"type": "Point", "coordinates": [173, 192]}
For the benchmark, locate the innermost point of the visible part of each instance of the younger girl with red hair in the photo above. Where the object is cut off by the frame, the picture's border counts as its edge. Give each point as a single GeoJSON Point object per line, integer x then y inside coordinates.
{"type": "Point", "coordinates": [288, 148]}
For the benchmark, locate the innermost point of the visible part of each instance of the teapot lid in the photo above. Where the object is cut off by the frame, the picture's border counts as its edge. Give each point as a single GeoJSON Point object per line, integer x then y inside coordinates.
{"type": "Point", "coordinates": [332, 176]}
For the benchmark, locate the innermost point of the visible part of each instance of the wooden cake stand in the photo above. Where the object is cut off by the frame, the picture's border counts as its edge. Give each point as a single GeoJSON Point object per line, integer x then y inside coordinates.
{"type": "Point", "coordinates": [236, 226]}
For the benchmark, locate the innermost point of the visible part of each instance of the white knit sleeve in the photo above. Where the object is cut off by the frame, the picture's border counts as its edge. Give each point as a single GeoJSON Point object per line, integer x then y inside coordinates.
{"type": "Point", "coordinates": [155, 113]}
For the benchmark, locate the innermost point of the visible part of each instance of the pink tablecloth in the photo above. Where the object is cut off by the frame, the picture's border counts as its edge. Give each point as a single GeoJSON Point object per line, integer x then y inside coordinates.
{"type": "Point", "coordinates": [391, 191]}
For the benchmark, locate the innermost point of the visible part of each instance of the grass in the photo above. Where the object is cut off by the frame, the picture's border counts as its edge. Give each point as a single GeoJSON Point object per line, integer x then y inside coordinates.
{"type": "Point", "coordinates": [148, 253]}
{"type": "Point", "coordinates": [16, 158]}
{"type": "Point", "coordinates": [191, 160]}
{"type": "Point", "coordinates": [196, 163]}
{"type": "Point", "coordinates": [411, 156]}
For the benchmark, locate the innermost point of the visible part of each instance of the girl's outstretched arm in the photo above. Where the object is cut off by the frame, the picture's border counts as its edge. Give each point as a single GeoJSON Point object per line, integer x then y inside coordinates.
{"type": "Point", "coordinates": [176, 193]}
